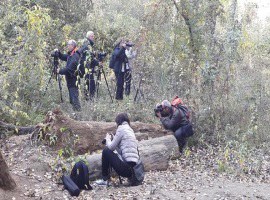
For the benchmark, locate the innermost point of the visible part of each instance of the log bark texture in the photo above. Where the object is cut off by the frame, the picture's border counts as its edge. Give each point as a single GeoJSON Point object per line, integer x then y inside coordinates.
{"type": "Point", "coordinates": [155, 155]}
{"type": "Point", "coordinates": [91, 133]}
{"type": "Point", "coordinates": [88, 134]}
{"type": "Point", "coordinates": [19, 130]}
{"type": "Point", "coordinates": [6, 181]}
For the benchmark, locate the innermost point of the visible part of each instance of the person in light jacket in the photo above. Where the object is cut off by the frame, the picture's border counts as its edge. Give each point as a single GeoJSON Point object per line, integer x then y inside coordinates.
{"type": "Point", "coordinates": [126, 145]}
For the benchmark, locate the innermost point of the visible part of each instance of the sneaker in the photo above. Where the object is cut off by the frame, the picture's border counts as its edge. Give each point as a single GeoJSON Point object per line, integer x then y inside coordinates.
{"type": "Point", "coordinates": [102, 182]}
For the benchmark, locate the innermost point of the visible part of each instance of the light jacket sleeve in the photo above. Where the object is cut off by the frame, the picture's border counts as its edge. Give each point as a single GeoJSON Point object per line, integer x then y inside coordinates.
{"type": "Point", "coordinates": [116, 140]}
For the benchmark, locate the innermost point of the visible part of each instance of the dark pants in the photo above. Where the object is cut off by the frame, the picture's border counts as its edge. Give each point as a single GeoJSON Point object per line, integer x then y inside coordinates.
{"type": "Point", "coordinates": [181, 135]}
{"type": "Point", "coordinates": [111, 160]}
{"type": "Point", "coordinates": [74, 98]}
{"type": "Point", "coordinates": [120, 79]}
{"type": "Point", "coordinates": [128, 82]}
{"type": "Point", "coordinates": [90, 86]}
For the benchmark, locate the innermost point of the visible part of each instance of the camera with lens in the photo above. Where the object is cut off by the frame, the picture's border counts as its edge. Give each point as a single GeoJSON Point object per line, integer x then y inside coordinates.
{"type": "Point", "coordinates": [55, 54]}
{"type": "Point", "coordinates": [129, 44]}
{"type": "Point", "coordinates": [158, 109]}
{"type": "Point", "coordinates": [104, 140]}
{"type": "Point", "coordinates": [100, 56]}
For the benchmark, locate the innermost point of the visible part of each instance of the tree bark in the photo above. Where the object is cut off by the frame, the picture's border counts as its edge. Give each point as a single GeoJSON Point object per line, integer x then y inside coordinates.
{"type": "Point", "coordinates": [6, 181]}
{"type": "Point", "coordinates": [19, 130]}
{"type": "Point", "coordinates": [87, 134]}
{"type": "Point", "coordinates": [90, 133]}
{"type": "Point", "coordinates": [155, 155]}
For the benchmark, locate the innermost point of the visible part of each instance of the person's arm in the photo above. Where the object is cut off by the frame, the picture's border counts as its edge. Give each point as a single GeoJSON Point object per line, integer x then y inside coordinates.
{"type": "Point", "coordinates": [63, 56]}
{"type": "Point", "coordinates": [130, 53]}
{"type": "Point", "coordinates": [72, 65]}
{"type": "Point", "coordinates": [112, 144]}
{"type": "Point", "coordinates": [171, 123]}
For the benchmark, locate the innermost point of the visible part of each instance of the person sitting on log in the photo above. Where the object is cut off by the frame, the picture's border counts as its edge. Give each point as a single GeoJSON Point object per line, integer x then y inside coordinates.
{"type": "Point", "coordinates": [176, 120]}
{"type": "Point", "coordinates": [126, 145]}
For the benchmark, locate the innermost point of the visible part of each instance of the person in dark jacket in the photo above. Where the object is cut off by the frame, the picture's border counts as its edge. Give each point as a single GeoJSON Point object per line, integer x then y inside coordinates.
{"type": "Point", "coordinates": [88, 64]}
{"type": "Point", "coordinates": [120, 68]}
{"type": "Point", "coordinates": [72, 58]}
{"type": "Point", "coordinates": [174, 119]}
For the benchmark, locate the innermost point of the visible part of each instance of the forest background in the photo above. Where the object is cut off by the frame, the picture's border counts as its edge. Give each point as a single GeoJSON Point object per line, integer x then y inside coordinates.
{"type": "Point", "coordinates": [213, 54]}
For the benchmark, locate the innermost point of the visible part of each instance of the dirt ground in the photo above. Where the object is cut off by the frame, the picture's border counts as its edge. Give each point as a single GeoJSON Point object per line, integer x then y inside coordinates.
{"type": "Point", "coordinates": [30, 167]}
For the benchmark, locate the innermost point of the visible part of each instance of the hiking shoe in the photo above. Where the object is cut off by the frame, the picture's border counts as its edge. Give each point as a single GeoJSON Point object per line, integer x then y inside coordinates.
{"type": "Point", "coordinates": [102, 182]}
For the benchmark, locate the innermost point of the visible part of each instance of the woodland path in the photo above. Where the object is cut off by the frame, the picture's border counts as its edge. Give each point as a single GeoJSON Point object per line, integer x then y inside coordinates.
{"type": "Point", "coordinates": [30, 168]}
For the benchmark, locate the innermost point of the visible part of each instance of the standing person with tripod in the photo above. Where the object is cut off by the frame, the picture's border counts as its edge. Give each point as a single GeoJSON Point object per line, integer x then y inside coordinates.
{"type": "Point", "coordinates": [89, 63]}
{"type": "Point", "coordinates": [131, 54]}
{"type": "Point", "coordinates": [119, 67]}
{"type": "Point", "coordinates": [72, 58]}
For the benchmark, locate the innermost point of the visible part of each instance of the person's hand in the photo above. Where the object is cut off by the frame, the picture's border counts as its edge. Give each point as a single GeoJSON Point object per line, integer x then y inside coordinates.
{"type": "Point", "coordinates": [158, 114]}
{"type": "Point", "coordinates": [58, 70]}
{"type": "Point", "coordinates": [124, 45]}
{"type": "Point", "coordinates": [108, 137]}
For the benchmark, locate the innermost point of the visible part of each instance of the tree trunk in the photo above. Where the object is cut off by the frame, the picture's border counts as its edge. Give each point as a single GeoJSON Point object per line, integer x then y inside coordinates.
{"type": "Point", "coordinates": [6, 181]}
{"type": "Point", "coordinates": [155, 155]}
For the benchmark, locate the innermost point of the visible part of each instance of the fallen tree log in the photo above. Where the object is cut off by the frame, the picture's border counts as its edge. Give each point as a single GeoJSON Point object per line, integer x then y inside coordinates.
{"type": "Point", "coordinates": [19, 130]}
{"type": "Point", "coordinates": [87, 134]}
{"type": "Point", "coordinates": [155, 155]}
{"type": "Point", "coordinates": [90, 133]}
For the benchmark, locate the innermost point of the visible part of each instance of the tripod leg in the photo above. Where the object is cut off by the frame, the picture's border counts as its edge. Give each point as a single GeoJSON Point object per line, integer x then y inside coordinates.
{"type": "Point", "coordinates": [47, 84]}
{"type": "Point", "coordinates": [60, 87]}
{"type": "Point", "coordinates": [107, 84]}
{"type": "Point", "coordinates": [97, 82]}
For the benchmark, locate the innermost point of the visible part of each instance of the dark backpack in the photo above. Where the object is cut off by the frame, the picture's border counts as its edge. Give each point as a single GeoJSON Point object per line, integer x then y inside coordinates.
{"type": "Point", "coordinates": [112, 61]}
{"type": "Point", "coordinates": [70, 186]}
{"type": "Point", "coordinates": [80, 175]}
{"type": "Point", "coordinates": [137, 174]}
{"type": "Point", "coordinates": [178, 103]}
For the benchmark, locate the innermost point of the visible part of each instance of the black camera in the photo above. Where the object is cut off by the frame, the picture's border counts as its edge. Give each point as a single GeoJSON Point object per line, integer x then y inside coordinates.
{"type": "Point", "coordinates": [104, 140]}
{"type": "Point", "coordinates": [100, 56]}
{"type": "Point", "coordinates": [129, 44]}
{"type": "Point", "coordinates": [158, 109]}
{"type": "Point", "coordinates": [55, 54]}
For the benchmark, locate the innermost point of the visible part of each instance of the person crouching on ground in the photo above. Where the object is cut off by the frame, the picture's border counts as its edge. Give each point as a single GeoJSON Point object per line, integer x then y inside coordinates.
{"type": "Point", "coordinates": [126, 145]}
{"type": "Point", "coordinates": [174, 119]}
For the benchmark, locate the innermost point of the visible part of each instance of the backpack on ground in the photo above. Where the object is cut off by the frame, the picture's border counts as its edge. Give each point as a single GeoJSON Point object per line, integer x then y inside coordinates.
{"type": "Point", "coordinates": [80, 176]}
{"type": "Point", "coordinates": [70, 186]}
{"type": "Point", "coordinates": [178, 103]}
{"type": "Point", "coordinates": [137, 174]}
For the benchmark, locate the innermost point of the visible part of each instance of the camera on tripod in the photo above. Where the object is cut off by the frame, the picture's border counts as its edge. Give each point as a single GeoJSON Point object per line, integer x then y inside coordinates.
{"type": "Point", "coordinates": [55, 54]}
{"type": "Point", "coordinates": [129, 44]}
{"type": "Point", "coordinates": [100, 56]}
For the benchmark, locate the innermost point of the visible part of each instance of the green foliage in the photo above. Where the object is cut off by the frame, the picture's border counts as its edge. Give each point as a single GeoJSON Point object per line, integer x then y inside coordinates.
{"type": "Point", "coordinates": [200, 50]}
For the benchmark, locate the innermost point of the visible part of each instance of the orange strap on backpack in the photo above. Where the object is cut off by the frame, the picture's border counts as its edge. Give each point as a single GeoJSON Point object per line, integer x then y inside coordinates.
{"type": "Point", "coordinates": [176, 101]}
